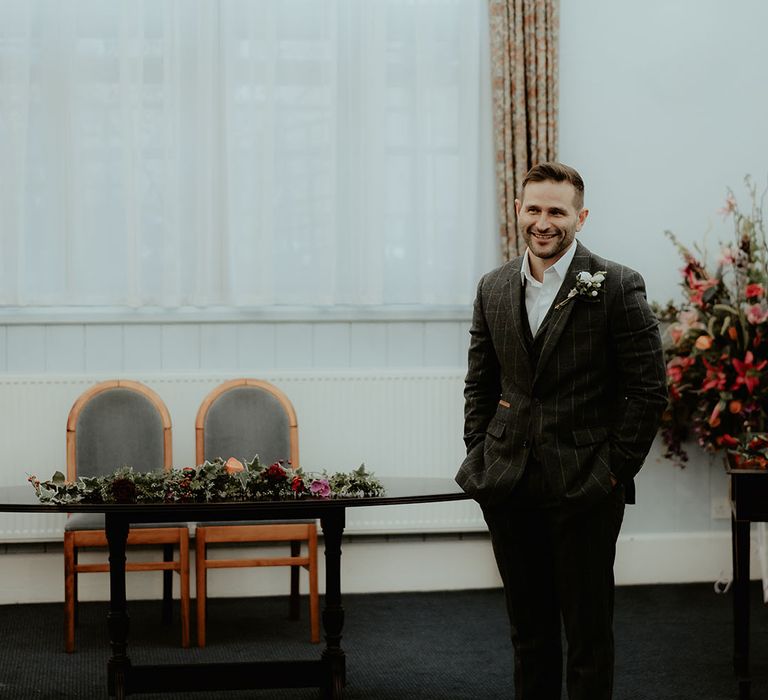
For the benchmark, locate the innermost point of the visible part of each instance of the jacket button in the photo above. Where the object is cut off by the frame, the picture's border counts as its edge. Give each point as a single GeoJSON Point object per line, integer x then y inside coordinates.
{"type": "Point", "coordinates": [525, 444]}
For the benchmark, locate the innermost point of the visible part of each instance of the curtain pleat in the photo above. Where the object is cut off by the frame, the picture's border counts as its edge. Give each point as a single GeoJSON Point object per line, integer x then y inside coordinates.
{"type": "Point", "coordinates": [523, 44]}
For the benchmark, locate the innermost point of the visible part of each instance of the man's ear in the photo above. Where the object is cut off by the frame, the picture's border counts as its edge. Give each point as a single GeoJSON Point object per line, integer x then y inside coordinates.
{"type": "Point", "coordinates": [583, 214]}
{"type": "Point", "coordinates": [517, 206]}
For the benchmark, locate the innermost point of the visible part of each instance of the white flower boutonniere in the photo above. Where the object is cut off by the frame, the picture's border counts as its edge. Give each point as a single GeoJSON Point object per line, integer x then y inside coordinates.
{"type": "Point", "coordinates": [587, 286]}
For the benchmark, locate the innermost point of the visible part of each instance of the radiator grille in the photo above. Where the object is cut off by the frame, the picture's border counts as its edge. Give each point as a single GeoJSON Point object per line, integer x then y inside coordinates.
{"type": "Point", "coordinates": [398, 423]}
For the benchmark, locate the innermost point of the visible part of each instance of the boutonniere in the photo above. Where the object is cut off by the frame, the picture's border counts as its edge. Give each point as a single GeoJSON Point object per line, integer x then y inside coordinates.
{"type": "Point", "coordinates": [587, 286]}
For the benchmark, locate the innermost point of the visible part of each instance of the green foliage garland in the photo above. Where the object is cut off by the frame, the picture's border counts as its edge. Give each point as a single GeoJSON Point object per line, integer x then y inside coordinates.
{"type": "Point", "coordinates": [211, 482]}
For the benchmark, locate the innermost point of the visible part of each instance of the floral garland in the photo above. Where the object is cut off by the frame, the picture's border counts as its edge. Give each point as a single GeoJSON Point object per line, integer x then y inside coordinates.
{"type": "Point", "coordinates": [211, 482]}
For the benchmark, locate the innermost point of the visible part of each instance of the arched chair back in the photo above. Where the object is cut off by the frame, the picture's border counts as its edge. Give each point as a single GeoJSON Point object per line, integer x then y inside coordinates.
{"type": "Point", "coordinates": [113, 424]}
{"type": "Point", "coordinates": [118, 423]}
{"type": "Point", "coordinates": [246, 417]}
{"type": "Point", "coordinates": [243, 418]}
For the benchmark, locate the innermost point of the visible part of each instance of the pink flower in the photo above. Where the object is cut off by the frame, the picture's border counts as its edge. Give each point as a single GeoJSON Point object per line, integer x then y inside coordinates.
{"type": "Point", "coordinates": [757, 314]}
{"type": "Point", "coordinates": [698, 287]}
{"type": "Point", "coordinates": [748, 372]}
{"type": "Point", "coordinates": [715, 378]}
{"type": "Point", "coordinates": [690, 318]}
{"type": "Point", "coordinates": [320, 487]}
{"type": "Point", "coordinates": [730, 205]}
{"type": "Point", "coordinates": [233, 466]}
{"type": "Point", "coordinates": [676, 368]}
{"type": "Point", "coordinates": [714, 418]}
{"type": "Point", "coordinates": [676, 333]}
{"type": "Point", "coordinates": [727, 257]}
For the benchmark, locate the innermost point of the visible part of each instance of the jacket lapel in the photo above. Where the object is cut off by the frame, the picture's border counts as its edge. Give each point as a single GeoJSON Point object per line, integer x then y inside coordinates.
{"type": "Point", "coordinates": [516, 299]}
{"type": "Point", "coordinates": [557, 318]}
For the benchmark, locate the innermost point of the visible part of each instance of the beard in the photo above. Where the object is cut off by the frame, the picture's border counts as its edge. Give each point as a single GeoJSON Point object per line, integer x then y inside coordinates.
{"type": "Point", "coordinates": [554, 245]}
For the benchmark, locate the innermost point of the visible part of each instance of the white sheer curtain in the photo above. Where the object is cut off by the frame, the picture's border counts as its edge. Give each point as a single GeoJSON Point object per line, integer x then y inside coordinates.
{"type": "Point", "coordinates": [179, 153]}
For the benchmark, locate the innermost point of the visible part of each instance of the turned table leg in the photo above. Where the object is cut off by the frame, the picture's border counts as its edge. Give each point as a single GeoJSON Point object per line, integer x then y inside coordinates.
{"type": "Point", "coordinates": [333, 613]}
{"type": "Point", "coordinates": [117, 618]}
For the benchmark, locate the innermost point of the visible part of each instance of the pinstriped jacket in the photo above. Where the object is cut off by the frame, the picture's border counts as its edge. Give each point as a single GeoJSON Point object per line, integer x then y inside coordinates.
{"type": "Point", "coordinates": [587, 403]}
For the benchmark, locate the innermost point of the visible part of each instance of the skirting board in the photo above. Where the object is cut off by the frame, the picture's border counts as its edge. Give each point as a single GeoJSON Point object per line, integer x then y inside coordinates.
{"type": "Point", "coordinates": [372, 564]}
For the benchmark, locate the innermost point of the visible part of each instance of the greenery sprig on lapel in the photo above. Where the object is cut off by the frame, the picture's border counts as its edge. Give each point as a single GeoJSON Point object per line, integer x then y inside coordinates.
{"type": "Point", "coordinates": [588, 286]}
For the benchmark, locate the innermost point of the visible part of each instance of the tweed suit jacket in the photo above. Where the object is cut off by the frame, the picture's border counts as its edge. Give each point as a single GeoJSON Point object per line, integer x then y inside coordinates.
{"type": "Point", "coordinates": [586, 404]}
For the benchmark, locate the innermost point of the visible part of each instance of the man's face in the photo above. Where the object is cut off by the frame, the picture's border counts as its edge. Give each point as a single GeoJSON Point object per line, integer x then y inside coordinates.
{"type": "Point", "coordinates": [548, 219]}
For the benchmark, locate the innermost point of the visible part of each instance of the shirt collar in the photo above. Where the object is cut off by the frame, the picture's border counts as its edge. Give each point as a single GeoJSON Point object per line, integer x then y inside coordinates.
{"type": "Point", "coordinates": [559, 268]}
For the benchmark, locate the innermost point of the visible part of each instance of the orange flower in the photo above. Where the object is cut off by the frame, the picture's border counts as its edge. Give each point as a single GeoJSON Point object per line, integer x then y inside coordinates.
{"type": "Point", "coordinates": [233, 466]}
{"type": "Point", "coordinates": [733, 333]}
{"type": "Point", "coordinates": [734, 406]}
{"type": "Point", "coordinates": [703, 342]}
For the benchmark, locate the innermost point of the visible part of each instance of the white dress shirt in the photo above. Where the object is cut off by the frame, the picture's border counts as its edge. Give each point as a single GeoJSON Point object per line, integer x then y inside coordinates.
{"type": "Point", "coordinates": [540, 295]}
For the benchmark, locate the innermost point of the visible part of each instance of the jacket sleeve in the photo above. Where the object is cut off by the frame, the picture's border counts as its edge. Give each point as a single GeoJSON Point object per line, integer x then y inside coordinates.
{"type": "Point", "coordinates": [641, 374]}
{"type": "Point", "coordinates": [482, 386]}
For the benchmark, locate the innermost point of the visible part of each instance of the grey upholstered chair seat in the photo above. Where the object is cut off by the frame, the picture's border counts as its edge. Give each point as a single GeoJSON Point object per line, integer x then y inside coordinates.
{"type": "Point", "coordinates": [95, 521]}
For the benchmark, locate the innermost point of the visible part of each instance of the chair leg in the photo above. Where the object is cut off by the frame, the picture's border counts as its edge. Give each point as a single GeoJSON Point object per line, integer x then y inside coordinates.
{"type": "Point", "coordinates": [167, 614]}
{"type": "Point", "coordinates": [200, 593]}
{"type": "Point", "coordinates": [76, 597]}
{"type": "Point", "coordinates": [184, 585]}
{"type": "Point", "coordinates": [294, 607]}
{"type": "Point", "coordinates": [69, 593]}
{"type": "Point", "coordinates": [314, 598]}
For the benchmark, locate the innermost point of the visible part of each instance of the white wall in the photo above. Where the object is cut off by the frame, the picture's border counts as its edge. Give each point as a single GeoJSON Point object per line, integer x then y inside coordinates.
{"type": "Point", "coordinates": [663, 106]}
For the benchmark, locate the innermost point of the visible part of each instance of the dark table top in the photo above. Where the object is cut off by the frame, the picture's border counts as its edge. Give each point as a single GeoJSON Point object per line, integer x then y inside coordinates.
{"type": "Point", "coordinates": [399, 491]}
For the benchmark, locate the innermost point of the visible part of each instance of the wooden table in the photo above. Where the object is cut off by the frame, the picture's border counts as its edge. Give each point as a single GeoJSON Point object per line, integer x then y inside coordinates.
{"type": "Point", "coordinates": [328, 673]}
{"type": "Point", "coordinates": [749, 503]}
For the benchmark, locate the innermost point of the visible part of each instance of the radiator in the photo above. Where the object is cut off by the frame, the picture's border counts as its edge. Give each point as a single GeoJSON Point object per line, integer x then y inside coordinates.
{"type": "Point", "coordinates": [398, 423]}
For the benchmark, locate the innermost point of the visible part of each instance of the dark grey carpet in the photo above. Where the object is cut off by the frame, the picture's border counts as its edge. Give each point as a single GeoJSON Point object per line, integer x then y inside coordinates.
{"type": "Point", "coordinates": [673, 643]}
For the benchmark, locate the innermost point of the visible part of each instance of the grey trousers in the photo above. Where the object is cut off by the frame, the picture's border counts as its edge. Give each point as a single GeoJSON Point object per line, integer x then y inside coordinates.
{"type": "Point", "coordinates": [557, 564]}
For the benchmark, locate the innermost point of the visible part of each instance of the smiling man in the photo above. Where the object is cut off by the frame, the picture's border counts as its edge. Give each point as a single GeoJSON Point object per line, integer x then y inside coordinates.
{"type": "Point", "coordinates": [563, 395]}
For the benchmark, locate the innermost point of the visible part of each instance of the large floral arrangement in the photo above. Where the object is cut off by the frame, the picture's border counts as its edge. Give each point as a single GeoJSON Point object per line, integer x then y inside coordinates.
{"type": "Point", "coordinates": [219, 480]}
{"type": "Point", "coordinates": [717, 349]}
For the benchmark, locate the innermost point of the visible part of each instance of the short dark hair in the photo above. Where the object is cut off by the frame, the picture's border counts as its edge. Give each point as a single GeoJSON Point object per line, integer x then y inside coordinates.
{"type": "Point", "coordinates": [556, 172]}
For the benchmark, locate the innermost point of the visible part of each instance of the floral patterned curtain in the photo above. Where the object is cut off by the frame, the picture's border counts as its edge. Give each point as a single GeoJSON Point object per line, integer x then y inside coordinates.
{"type": "Point", "coordinates": [524, 38]}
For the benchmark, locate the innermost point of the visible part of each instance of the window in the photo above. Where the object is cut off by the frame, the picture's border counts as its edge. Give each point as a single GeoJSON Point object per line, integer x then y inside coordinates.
{"type": "Point", "coordinates": [244, 153]}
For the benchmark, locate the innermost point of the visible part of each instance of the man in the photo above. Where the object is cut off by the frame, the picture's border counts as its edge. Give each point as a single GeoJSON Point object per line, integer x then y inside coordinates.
{"type": "Point", "coordinates": [563, 396]}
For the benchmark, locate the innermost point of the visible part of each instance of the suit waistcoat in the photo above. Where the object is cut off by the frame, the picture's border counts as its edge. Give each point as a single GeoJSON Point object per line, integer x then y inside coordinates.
{"type": "Point", "coordinates": [533, 344]}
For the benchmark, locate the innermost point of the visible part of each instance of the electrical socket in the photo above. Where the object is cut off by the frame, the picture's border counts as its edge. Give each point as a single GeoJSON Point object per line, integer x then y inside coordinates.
{"type": "Point", "coordinates": [721, 508]}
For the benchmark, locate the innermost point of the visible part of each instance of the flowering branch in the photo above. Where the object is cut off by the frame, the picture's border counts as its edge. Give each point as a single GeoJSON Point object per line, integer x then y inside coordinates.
{"type": "Point", "coordinates": [717, 343]}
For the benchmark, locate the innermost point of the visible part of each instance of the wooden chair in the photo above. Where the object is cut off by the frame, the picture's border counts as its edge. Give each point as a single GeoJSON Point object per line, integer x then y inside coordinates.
{"type": "Point", "coordinates": [113, 424]}
{"type": "Point", "coordinates": [243, 418]}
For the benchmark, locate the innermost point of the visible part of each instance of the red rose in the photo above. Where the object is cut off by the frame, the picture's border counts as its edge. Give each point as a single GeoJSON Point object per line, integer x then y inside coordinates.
{"type": "Point", "coordinates": [275, 472]}
{"type": "Point", "coordinates": [755, 291]}
{"type": "Point", "coordinates": [124, 490]}
{"type": "Point", "coordinates": [297, 485]}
